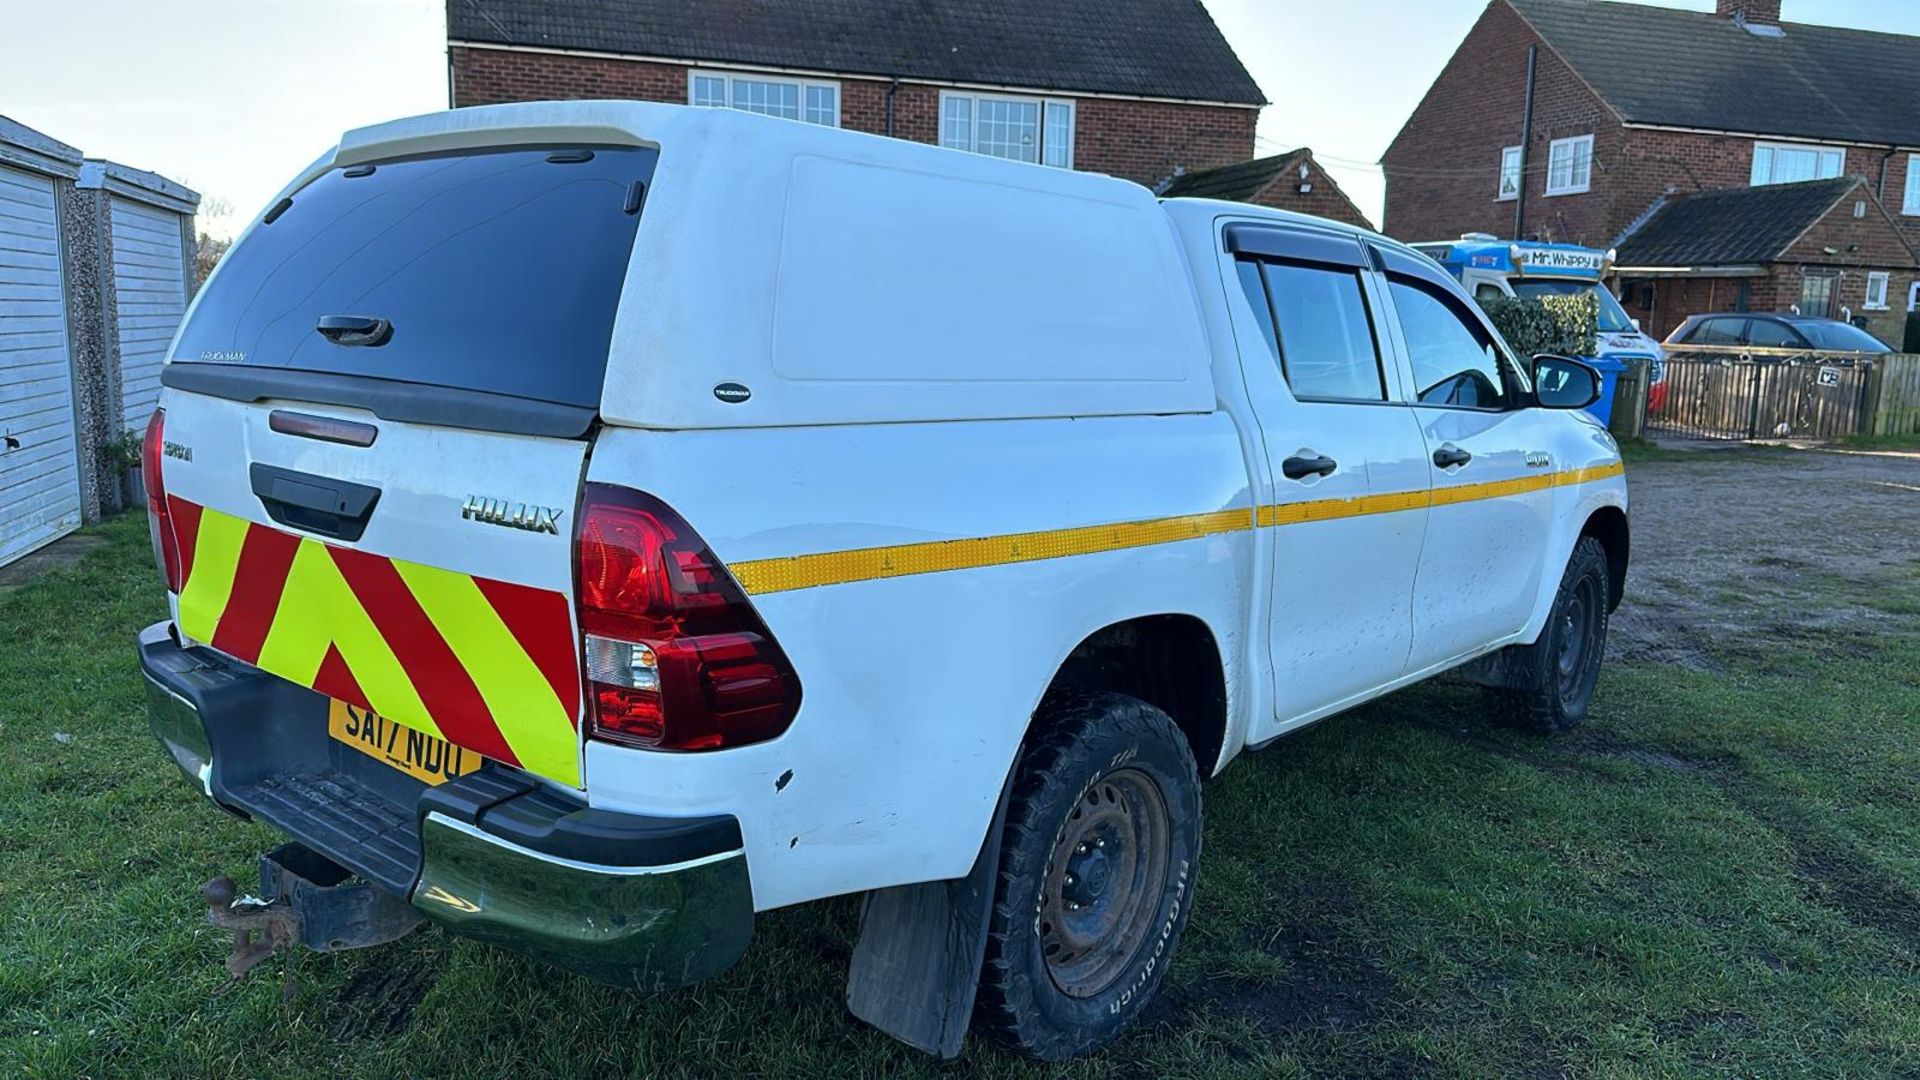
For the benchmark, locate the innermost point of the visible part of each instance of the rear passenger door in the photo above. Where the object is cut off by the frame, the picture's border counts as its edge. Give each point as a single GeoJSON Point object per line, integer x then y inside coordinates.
{"type": "Point", "coordinates": [1343, 498]}
{"type": "Point", "coordinates": [1489, 464]}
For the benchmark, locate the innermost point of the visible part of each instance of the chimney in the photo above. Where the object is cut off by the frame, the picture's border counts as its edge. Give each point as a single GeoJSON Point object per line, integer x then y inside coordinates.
{"type": "Point", "coordinates": [1749, 12]}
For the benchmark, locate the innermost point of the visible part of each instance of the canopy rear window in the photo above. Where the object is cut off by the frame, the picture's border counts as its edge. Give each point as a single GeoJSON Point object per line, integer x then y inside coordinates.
{"type": "Point", "coordinates": [497, 271]}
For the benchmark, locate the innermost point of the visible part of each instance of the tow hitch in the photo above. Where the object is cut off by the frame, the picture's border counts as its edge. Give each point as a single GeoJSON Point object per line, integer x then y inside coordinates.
{"type": "Point", "coordinates": [305, 899]}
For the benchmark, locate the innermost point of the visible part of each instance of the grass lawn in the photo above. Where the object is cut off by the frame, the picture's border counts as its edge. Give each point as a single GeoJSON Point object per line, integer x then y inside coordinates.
{"type": "Point", "coordinates": [1720, 875]}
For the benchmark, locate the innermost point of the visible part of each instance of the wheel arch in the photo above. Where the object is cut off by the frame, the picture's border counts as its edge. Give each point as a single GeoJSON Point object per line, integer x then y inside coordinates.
{"type": "Point", "coordinates": [1608, 524]}
{"type": "Point", "coordinates": [1170, 660]}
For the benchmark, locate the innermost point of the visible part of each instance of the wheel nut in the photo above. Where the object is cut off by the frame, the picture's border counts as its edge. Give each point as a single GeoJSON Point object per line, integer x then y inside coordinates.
{"type": "Point", "coordinates": [1081, 849]}
{"type": "Point", "coordinates": [1071, 880]}
{"type": "Point", "coordinates": [1100, 843]}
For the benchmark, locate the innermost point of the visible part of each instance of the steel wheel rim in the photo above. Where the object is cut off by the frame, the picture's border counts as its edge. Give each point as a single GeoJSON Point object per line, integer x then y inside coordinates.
{"type": "Point", "coordinates": [1577, 631]}
{"type": "Point", "coordinates": [1104, 882]}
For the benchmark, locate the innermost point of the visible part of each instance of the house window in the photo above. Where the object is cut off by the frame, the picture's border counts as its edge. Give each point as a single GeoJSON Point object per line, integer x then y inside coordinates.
{"type": "Point", "coordinates": [1789, 163]}
{"type": "Point", "coordinates": [790, 99]}
{"type": "Point", "coordinates": [1021, 129]}
{"type": "Point", "coordinates": [1876, 291]}
{"type": "Point", "coordinates": [1570, 165]}
{"type": "Point", "coordinates": [1509, 173]}
{"type": "Point", "coordinates": [1911, 205]}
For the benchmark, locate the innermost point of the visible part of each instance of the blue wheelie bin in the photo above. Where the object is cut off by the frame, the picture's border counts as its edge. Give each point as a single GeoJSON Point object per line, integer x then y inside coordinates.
{"type": "Point", "coordinates": [1610, 371]}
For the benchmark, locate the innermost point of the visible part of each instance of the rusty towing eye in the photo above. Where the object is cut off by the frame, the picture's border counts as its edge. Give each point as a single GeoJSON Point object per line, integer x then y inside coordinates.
{"type": "Point", "coordinates": [308, 900]}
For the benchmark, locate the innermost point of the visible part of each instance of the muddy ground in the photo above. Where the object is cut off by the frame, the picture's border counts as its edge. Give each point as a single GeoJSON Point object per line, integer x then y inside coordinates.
{"type": "Point", "coordinates": [1734, 550]}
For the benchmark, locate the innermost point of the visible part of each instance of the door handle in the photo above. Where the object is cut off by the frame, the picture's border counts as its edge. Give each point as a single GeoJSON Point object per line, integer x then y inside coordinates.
{"type": "Point", "coordinates": [353, 330]}
{"type": "Point", "coordinates": [1299, 468]}
{"type": "Point", "coordinates": [1448, 456]}
{"type": "Point", "coordinates": [317, 504]}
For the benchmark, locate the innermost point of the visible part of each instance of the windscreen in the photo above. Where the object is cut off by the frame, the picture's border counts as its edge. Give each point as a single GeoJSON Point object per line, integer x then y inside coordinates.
{"type": "Point", "coordinates": [1612, 320]}
{"type": "Point", "coordinates": [495, 270]}
{"type": "Point", "coordinates": [1841, 336]}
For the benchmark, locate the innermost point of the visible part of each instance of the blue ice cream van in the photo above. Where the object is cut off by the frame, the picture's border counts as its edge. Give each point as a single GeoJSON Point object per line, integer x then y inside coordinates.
{"type": "Point", "coordinates": [1489, 266]}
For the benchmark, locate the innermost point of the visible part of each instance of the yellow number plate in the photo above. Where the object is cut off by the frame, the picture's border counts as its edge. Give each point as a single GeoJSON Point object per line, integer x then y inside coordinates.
{"type": "Point", "coordinates": [415, 753]}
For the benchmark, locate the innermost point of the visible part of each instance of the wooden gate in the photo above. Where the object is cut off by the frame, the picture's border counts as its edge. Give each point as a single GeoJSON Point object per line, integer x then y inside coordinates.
{"type": "Point", "coordinates": [1753, 395]}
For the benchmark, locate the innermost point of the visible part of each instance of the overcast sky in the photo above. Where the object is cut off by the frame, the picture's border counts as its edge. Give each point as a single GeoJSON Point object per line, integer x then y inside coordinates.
{"type": "Point", "coordinates": [232, 97]}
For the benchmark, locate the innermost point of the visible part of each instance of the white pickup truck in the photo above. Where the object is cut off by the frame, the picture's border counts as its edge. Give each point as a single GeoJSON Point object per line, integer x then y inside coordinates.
{"type": "Point", "coordinates": [587, 525]}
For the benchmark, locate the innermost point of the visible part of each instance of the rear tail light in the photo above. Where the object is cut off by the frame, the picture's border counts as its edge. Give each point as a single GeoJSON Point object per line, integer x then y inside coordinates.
{"type": "Point", "coordinates": [676, 657]}
{"type": "Point", "coordinates": [166, 546]}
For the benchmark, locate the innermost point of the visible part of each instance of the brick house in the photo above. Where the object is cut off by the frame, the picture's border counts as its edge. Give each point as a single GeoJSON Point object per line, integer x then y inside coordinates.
{"type": "Point", "coordinates": [1586, 120]}
{"type": "Point", "coordinates": [1140, 89]}
{"type": "Point", "coordinates": [1291, 181]}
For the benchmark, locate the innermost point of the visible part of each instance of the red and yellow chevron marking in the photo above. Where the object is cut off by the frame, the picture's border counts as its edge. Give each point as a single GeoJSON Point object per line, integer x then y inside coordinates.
{"type": "Point", "coordinates": [488, 665]}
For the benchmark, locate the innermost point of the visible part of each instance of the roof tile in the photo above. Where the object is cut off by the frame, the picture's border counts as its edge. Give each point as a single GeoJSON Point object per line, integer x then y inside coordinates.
{"type": "Point", "coordinates": [1149, 48]}
{"type": "Point", "coordinates": [1732, 226]}
{"type": "Point", "coordinates": [1693, 69]}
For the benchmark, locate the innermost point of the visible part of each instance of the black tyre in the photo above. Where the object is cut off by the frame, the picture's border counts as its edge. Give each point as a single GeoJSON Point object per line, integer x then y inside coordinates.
{"type": "Point", "coordinates": [1557, 674]}
{"type": "Point", "coordinates": [1096, 875]}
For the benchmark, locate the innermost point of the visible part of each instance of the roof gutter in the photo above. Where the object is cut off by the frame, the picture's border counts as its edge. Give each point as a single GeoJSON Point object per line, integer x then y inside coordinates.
{"type": "Point", "coordinates": [1731, 271]}
{"type": "Point", "coordinates": [820, 73]}
{"type": "Point", "coordinates": [1810, 140]}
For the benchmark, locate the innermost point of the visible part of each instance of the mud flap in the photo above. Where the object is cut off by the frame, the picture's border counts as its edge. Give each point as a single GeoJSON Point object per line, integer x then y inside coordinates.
{"type": "Point", "coordinates": [916, 968]}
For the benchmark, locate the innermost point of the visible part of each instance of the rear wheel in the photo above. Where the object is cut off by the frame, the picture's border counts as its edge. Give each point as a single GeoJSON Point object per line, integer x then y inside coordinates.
{"type": "Point", "coordinates": [1557, 673]}
{"type": "Point", "coordinates": [1096, 875]}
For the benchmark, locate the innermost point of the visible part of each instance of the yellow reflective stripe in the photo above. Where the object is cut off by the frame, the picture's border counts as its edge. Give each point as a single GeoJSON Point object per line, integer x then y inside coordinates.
{"type": "Point", "coordinates": [1299, 513]}
{"type": "Point", "coordinates": [1587, 475]}
{"type": "Point", "coordinates": [760, 576]}
{"type": "Point", "coordinates": [216, 559]}
{"type": "Point", "coordinates": [536, 726]}
{"type": "Point", "coordinates": [323, 611]}
{"type": "Point", "coordinates": [1491, 489]}
{"type": "Point", "coordinates": [867, 564]}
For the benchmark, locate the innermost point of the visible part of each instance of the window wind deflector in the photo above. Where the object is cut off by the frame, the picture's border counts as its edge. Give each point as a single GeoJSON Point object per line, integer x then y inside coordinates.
{"type": "Point", "coordinates": [1296, 245]}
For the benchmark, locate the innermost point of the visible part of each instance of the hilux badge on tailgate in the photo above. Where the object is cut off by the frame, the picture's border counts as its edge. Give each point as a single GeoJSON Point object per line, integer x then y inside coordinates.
{"type": "Point", "coordinates": [514, 515]}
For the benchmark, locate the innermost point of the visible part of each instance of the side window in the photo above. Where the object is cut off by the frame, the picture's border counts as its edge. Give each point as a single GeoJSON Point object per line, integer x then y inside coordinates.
{"type": "Point", "coordinates": [1257, 299]}
{"type": "Point", "coordinates": [1455, 362]}
{"type": "Point", "coordinates": [1484, 292]}
{"type": "Point", "coordinates": [1319, 329]}
{"type": "Point", "coordinates": [1719, 332]}
{"type": "Point", "coordinates": [1772, 335]}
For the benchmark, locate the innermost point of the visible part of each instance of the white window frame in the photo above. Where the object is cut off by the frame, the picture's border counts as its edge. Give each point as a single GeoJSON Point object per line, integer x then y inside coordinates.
{"type": "Point", "coordinates": [1881, 280]}
{"type": "Point", "coordinates": [1910, 205]}
{"type": "Point", "coordinates": [1041, 104]}
{"type": "Point", "coordinates": [801, 86]}
{"type": "Point", "coordinates": [1573, 144]}
{"type": "Point", "coordinates": [1760, 145]}
{"type": "Point", "coordinates": [1509, 166]}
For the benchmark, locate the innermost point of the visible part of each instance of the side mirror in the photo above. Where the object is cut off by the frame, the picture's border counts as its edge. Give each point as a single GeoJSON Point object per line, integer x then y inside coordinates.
{"type": "Point", "coordinates": [1636, 326]}
{"type": "Point", "coordinates": [1561, 382]}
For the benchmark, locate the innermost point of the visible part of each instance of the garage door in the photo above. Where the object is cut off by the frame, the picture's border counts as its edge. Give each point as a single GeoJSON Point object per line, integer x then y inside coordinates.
{"type": "Point", "coordinates": [39, 469]}
{"type": "Point", "coordinates": [149, 281]}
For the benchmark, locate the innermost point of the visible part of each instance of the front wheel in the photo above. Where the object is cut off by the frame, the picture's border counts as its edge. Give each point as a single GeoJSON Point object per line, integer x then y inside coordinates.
{"type": "Point", "coordinates": [1557, 674]}
{"type": "Point", "coordinates": [1096, 875]}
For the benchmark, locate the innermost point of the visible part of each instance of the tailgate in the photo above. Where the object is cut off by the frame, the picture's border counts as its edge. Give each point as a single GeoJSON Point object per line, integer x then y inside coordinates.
{"type": "Point", "coordinates": [427, 577]}
{"type": "Point", "coordinates": [417, 561]}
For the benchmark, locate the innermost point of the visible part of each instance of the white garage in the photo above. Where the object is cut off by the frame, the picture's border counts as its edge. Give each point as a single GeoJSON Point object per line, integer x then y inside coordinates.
{"type": "Point", "coordinates": [96, 268]}
{"type": "Point", "coordinates": [149, 221]}
{"type": "Point", "coordinates": [40, 481]}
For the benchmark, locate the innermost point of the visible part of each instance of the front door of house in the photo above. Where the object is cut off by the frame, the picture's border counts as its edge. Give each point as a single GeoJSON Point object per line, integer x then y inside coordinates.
{"type": "Point", "coordinates": [1816, 294]}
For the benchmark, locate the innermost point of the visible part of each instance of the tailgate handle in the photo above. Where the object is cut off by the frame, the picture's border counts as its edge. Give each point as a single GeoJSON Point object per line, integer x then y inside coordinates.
{"type": "Point", "coordinates": [354, 330]}
{"type": "Point", "coordinates": [316, 504]}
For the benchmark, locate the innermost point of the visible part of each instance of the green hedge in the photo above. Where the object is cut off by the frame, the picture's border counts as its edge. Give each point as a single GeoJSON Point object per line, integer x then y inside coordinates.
{"type": "Point", "coordinates": [1555, 324]}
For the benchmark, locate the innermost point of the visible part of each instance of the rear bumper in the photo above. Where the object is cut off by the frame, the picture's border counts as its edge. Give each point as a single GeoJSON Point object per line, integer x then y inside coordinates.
{"type": "Point", "coordinates": [649, 903]}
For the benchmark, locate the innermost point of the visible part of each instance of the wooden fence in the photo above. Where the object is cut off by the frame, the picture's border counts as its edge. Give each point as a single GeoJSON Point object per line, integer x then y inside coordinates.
{"type": "Point", "coordinates": [1896, 400]}
{"type": "Point", "coordinates": [1748, 393]}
